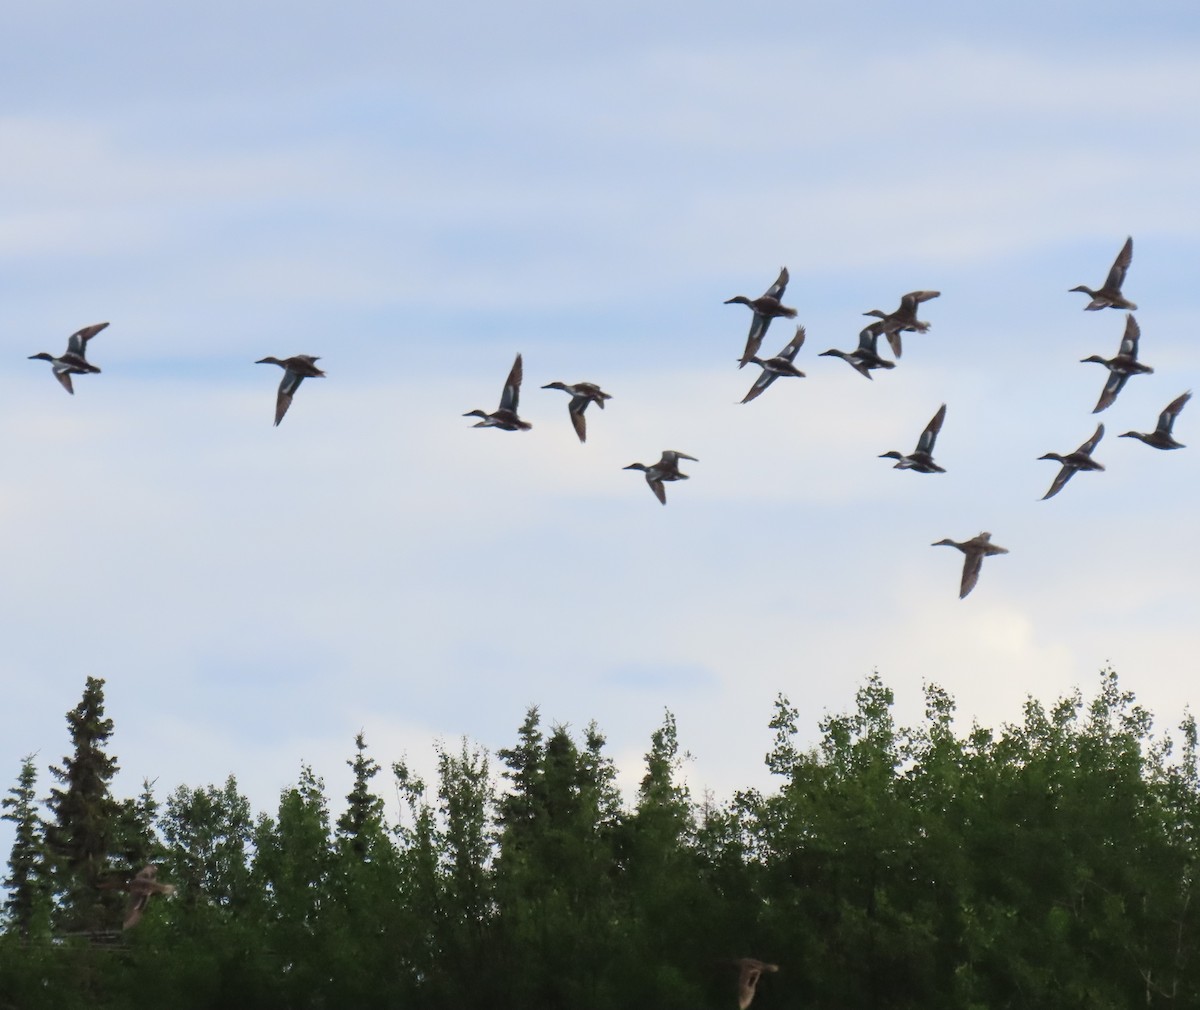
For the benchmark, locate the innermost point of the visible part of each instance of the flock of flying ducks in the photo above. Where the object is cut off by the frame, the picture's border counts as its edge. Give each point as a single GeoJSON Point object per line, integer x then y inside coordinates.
{"type": "Point", "coordinates": [865, 358]}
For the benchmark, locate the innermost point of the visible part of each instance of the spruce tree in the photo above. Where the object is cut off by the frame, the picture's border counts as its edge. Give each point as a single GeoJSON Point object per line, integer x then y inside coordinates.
{"type": "Point", "coordinates": [26, 865]}
{"type": "Point", "coordinates": [81, 834]}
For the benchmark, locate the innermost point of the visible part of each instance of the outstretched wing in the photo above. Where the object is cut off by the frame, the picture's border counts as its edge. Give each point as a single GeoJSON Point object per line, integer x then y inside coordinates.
{"type": "Point", "coordinates": [1114, 384]}
{"type": "Point", "coordinates": [77, 342]}
{"type": "Point", "coordinates": [512, 387]}
{"type": "Point", "coordinates": [1166, 419]}
{"type": "Point", "coordinates": [930, 434]}
{"type": "Point", "coordinates": [1091, 443]}
{"type": "Point", "coordinates": [972, 563]}
{"type": "Point", "coordinates": [576, 408]}
{"type": "Point", "coordinates": [1129, 342]}
{"type": "Point", "coordinates": [760, 385]}
{"type": "Point", "coordinates": [794, 345]}
{"type": "Point", "coordinates": [1116, 276]}
{"type": "Point", "coordinates": [777, 289]}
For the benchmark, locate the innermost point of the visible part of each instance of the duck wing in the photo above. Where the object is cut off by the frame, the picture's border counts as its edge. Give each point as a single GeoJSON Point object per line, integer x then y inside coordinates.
{"type": "Point", "coordinates": [972, 564]}
{"type": "Point", "coordinates": [77, 342]}
{"type": "Point", "coordinates": [287, 389]}
{"type": "Point", "coordinates": [760, 385]}
{"type": "Point", "coordinates": [656, 486]}
{"type": "Point", "coordinates": [1166, 420]}
{"type": "Point", "coordinates": [794, 345]}
{"type": "Point", "coordinates": [1116, 276]}
{"type": "Point", "coordinates": [1091, 443]}
{"type": "Point", "coordinates": [777, 289]}
{"type": "Point", "coordinates": [576, 408]}
{"type": "Point", "coordinates": [930, 434]}
{"type": "Point", "coordinates": [1129, 342]}
{"type": "Point", "coordinates": [1065, 473]}
{"type": "Point", "coordinates": [1114, 385]}
{"type": "Point", "coordinates": [512, 387]}
{"type": "Point", "coordinates": [758, 330]}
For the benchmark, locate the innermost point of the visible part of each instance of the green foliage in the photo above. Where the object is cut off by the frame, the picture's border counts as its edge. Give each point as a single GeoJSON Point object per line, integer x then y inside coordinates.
{"type": "Point", "coordinates": [1049, 862]}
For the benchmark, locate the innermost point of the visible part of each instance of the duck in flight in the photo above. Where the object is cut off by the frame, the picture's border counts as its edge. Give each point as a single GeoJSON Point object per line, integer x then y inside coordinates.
{"type": "Point", "coordinates": [505, 416]}
{"type": "Point", "coordinates": [73, 361]}
{"type": "Point", "coordinates": [142, 887]}
{"type": "Point", "coordinates": [773, 368]}
{"type": "Point", "coordinates": [582, 393]}
{"type": "Point", "coordinates": [1109, 295]}
{"type": "Point", "coordinates": [1073, 462]}
{"type": "Point", "coordinates": [865, 357]}
{"type": "Point", "coordinates": [921, 458]}
{"type": "Point", "coordinates": [975, 549]}
{"type": "Point", "coordinates": [749, 972]}
{"type": "Point", "coordinates": [1161, 437]}
{"type": "Point", "coordinates": [765, 308]}
{"type": "Point", "coordinates": [892, 324]}
{"type": "Point", "coordinates": [667, 468]}
{"type": "Point", "coordinates": [1120, 367]}
{"type": "Point", "coordinates": [295, 370]}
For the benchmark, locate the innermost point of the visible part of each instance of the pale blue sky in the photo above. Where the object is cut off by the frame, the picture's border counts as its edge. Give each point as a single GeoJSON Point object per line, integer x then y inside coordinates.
{"type": "Point", "coordinates": [417, 195]}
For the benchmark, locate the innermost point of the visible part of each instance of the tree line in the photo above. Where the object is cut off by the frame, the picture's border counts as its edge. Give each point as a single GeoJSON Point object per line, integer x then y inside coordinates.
{"type": "Point", "coordinates": [1049, 863]}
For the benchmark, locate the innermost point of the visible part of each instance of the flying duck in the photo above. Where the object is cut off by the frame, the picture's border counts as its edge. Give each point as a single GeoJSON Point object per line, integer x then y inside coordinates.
{"type": "Point", "coordinates": [1122, 366]}
{"type": "Point", "coordinates": [765, 308]}
{"type": "Point", "coordinates": [749, 971]}
{"type": "Point", "coordinates": [582, 393]}
{"type": "Point", "coordinates": [865, 357]}
{"type": "Point", "coordinates": [667, 468]}
{"type": "Point", "coordinates": [1109, 296]}
{"type": "Point", "coordinates": [921, 458]}
{"type": "Point", "coordinates": [904, 318]}
{"type": "Point", "coordinates": [975, 549]}
{"type": "Point", "coordinates": [295, 370]}
{"type": "Point", "coordinates": [505, 416]}
{"type": "Point", "coordinates": [73, 361]}
{"type": "Point", "coordinates": [141, 888]}
{"type": "Point", "coordinates": [1161, 437]}
{"type": "Point", "coordinates": [773, 368]}
{"type": "Point", "coordinates": [1072, 462]}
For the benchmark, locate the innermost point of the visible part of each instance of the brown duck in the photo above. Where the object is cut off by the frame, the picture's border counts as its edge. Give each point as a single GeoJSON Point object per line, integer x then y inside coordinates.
{"type": "Point", "coordinates": [1073, 462]}
{"type": "Point", "coordinates": [773, 368]}
{"type": "Point", "coordinates": [749, 972]}
{"type": "Point", "coordinates": [73, 361]}
{"type": "Point", "coordinates": [765, 308]}
{"type": "Point", "coordinates": [505, 416]}
{"type": "Point", "coordinates": [1109, 296]}
{"type": "Point", "coordinates": [892, 324]}
{"type": "Point", "coordinates": [975, 549]}
{"type": "Point", "coordinates": [1161, 437]}
{"type": "Point", "coordinates": [295, 370]}
{"type": "Point", "coordinates": [1120, 367]}
{"type": "Point", "coordinates": [667, 468]}
{"type": "Point", "coordinates": [582, 393]}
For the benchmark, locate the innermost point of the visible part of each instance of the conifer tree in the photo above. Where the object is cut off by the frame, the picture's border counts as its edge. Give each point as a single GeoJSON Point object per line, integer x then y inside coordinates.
{"type": "Point", "coordinates": [26, 864]}
{"type": "Point", "coordinates": [81, 835]}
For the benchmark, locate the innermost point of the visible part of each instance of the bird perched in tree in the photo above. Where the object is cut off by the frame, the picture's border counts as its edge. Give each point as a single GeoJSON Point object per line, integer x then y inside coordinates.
{"type": "Point", "coordinates": [1073, 462]}
{"type": "Point", "coordinates": [295, 370]}
{"type": "Point", "coordinates": [1161, 437]}
{"type": "Point", "coordinates": [73, 361]}
{"type": "Point", "coordinates": [975, 549]}
{"type": "Point", "coordinates": [505, 416]}
{"type": "Point", "coordinates": [582, 393]}
{"type": "Point", "coordinates": [765, 308]}
{"type": "Point", "coordinates": [1109, 295]}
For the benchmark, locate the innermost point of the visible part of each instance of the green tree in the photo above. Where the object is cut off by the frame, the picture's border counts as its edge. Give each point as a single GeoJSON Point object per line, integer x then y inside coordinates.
{"type": "Point", "coordinates": [82, 833]}
{"type": "Point", "coordinates": [27, 902]}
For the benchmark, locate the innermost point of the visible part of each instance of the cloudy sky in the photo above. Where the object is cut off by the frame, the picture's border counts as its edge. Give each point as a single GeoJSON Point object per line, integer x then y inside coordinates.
{"type": "Point", "coordinates": [418, 192]}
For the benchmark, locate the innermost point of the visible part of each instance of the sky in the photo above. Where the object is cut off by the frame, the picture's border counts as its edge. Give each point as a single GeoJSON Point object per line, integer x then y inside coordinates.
{"type": "Point", "coordinates": [416, 193]}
